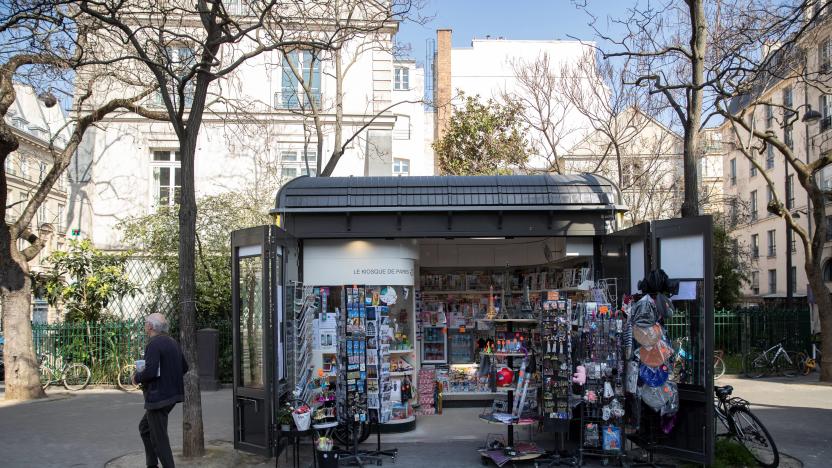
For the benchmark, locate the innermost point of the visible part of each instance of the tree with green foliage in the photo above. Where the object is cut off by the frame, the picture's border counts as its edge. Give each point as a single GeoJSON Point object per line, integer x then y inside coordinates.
{"type": "Point", "coordinates": [483, 139]}
{"type": "Point", "coordinates": [157, 236]}
{"type": "Point", "coordinates": [732, 264]}
{"type": "Point", "coordinates": [85, 281]}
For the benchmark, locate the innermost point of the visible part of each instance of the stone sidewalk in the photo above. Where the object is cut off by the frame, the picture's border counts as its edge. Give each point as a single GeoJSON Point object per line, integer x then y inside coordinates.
{"type": "Point", "coordinates": [94, 427]}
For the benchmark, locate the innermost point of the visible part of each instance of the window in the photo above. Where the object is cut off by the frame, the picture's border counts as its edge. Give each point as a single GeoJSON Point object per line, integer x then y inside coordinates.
{"type": "Point", "coordinates": [59, 221]}
{"type": "Point", "coordinates": [42, 214]}
{"type": "Point", "coordinates": [734, 171]}
{"type": "Point", "coordinates": [312, 171]}
{"type": "Point", "coordinates": [42, 167]}
{"type": "Point", "coordinates": [772, 242]}
{"type": "Point", "coordinates": [24, 166]}
{"type": "Point", "coordinates": [752, 169]}
{"type": "Point", "coordinates": [827, 271]}
{"type": "Point", "coordinates": [753, 205]}
{"type": "Point", "coordinates": [788, 136]}
{"type": "Point", "coordinates": [20, 123]}
{"type": "Point", "coordinates": [733, 212]}
{"type": "Point", "coordinates": [401, 166]}
{"type": "Point", "coordinates": [772, 281]}
{"type": "Point", "coordinates": [22, 199]}
{"type": "Point", "coordinates": [788, 100]}
{"type": "Point", "coordinates": [289, 172]}
{"type": "Point", "coordinates": [825, 111]}
{"type": "Point", "coordinates": [292, 94]}
{"type": "Point", "coordinates": [167, 177]}
{"type": "Point", "coordinates": [181, 60]}
{"type": "Point", "coordinates": [824, 54]}
{"type": "Point", "coordinates": [755, 245]}
{"type": "Point", "coordinates": [769, 156]}
{"type": "Point", "coordinates": [289, 156]}
{"type": "Point", "coordinates": [769, 115]}
{"type": "Point", "coordinates": [755, 282]}
{"type": "Point", "coordinates": [790, 192]}
{"type": "Point", "coordinates": [829, 228]}
{"type": "Point", "coordinates": [9, 165]}
{"type": "Point", "coordinates": [769, 198]}
{"type": "Point", "coordinates": [401, 80]}
{"type": "Point", "coordinates": [401, 130]}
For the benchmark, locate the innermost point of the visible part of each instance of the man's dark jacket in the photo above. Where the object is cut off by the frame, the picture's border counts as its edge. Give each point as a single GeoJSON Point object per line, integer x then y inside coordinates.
{"type": "Point", "coordinates": [165, 387]}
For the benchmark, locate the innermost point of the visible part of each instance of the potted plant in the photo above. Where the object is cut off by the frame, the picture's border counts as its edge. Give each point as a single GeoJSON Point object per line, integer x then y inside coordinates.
{"type": "Point", "coordinates": [284, 417]}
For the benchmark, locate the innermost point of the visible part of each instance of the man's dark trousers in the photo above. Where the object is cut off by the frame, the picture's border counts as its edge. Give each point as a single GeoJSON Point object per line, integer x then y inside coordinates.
{"type": "Point", "coordinates": [154, 431]}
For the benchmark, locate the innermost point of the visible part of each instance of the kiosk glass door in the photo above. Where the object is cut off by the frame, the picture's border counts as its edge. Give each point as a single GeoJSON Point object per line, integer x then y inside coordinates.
{"type": "Point", "coordinates": [256, 271]}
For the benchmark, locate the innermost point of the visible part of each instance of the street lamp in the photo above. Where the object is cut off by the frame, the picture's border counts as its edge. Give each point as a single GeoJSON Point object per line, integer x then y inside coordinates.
{"type": "Point", "coordinates": [810, 117]}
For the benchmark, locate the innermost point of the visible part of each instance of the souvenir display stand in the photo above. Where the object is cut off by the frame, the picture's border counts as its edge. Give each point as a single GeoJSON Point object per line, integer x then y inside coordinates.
{"type": "Point", "coordinates": [600, 354]}
{"type": "Point", "coordinates": [352, 372]}
{"type": "Point", "coordinates": [379, 388]}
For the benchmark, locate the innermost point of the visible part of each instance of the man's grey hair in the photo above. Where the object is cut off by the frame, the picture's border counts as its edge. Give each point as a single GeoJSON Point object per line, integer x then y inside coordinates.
{"type": "Point", "coordinates": [158, 323]}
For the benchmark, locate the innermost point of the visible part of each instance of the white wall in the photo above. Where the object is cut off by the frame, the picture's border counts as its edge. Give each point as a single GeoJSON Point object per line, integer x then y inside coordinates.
{"type": "Point", "coordinates": [487, 69]}
{"type": "Point", "coordinates": [414, 146]}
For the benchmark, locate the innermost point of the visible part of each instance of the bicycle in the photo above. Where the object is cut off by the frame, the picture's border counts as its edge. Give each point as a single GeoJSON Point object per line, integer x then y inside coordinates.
{"type": "Point", "coordinates": [719, 364]}
{"type": "Point", "coordinates": [683, 358]}
{"type": "Point", "coordinates": [74, 376]}
{"type": "Point", "coordinates": [774, 359]}
{"type": "Point", "coordinates": [742, 425]}
{"type": "Point", "coordinates": [124, 373]}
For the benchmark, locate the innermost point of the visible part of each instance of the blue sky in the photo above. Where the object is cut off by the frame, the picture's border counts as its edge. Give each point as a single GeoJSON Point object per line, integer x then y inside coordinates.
{"type": "Point", "coordinates": [518, 19]}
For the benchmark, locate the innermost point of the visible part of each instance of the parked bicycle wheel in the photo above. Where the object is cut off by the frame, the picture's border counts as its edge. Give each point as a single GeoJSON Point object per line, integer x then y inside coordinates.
{"type": "Point", "coordinates": [755, 437]}
{"type": "Point", "coordinates": [719, 367]}
{"type": "Point", "coordinates": [755, 364]}
{"type": "Point", "coordinates": [76, 376]}
{"type": "Point", "coordinates": [125, 378]}
{"type": "Point", "coordinates": [786, 364]}
{"type": "Point", "coordinates": [45, 376]}
{"type": "Point", "coordinates": [343, 433]}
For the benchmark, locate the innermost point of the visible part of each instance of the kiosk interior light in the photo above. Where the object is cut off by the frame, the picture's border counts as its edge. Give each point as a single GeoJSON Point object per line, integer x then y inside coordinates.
{"type": "Point", "coordinates": [488, 238]}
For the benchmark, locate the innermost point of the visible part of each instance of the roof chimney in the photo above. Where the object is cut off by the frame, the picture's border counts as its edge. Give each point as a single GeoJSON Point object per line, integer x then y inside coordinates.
{"type": "Point", "coordinates": [441, 86]}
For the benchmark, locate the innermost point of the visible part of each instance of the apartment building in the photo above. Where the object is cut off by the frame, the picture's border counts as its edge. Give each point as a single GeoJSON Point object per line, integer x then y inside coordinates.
{"type": "Point", "coordinates": [40, 129]}
{"type": "Point", "coordinates": [650, 157]}
{"type": "Point", "coordinates": [129, 165]}
{"type": "Point", "coordinates": [777, 258]}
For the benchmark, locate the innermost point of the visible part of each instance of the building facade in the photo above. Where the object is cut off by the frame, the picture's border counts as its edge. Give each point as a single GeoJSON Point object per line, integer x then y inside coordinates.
{"type": "Point", "coordinates": [645, 163]}
{"type": "Point", "coordinates": [129, 166]}
{"type": "Point", "coordinates": [40, 129]}
{"type": "Point", "coordinates": [498, 68]}
{"type": "Point", "coordinates": [747, 193]}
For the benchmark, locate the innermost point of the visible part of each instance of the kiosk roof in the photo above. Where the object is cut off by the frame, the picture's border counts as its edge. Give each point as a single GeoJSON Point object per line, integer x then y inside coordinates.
{"type": "Point", "coordinates": [547, 192]}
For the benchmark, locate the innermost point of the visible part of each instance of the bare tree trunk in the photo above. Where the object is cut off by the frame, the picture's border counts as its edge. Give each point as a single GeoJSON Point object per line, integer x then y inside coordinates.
{"type": "Point", "coordinates": [21, 364]}
{"type": "Point", "coordinates": [698, 46]}
{"type": "Point", "coordinates": [193, 439]}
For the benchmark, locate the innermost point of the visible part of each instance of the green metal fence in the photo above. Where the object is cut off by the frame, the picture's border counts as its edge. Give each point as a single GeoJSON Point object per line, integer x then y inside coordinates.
{"type": "Point", "coordinates": [737, 331]}
{"type": "Point", "coordinates": [106, 347]}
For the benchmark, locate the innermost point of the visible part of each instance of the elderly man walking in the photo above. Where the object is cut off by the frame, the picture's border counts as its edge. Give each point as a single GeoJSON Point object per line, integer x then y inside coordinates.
{"type": "Point", "coordinates": [163, 387]}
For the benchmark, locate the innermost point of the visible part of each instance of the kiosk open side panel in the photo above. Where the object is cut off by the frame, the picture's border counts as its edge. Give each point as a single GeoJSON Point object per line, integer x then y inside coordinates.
{"type": "Point", "coordinates": [258, 275]}
{"type": "Point", "coordinates": [682, 248]}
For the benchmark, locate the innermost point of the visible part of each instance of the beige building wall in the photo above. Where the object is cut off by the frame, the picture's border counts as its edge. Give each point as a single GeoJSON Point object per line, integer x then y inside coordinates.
{"type": "Point", "coordinates": [747, 195]}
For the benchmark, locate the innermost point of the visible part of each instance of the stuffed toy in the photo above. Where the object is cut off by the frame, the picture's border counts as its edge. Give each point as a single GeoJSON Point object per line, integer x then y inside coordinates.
{"type": "Point", "coordinates": [579, 377]}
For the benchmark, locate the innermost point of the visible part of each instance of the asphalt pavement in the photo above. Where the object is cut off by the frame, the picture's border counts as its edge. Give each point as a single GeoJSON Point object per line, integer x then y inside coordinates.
{"type": "Point", "coordinates": [95, 427]}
